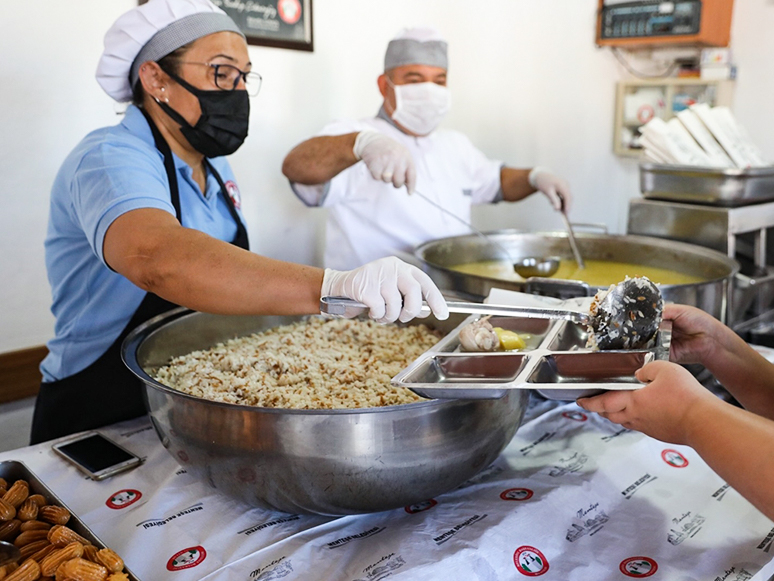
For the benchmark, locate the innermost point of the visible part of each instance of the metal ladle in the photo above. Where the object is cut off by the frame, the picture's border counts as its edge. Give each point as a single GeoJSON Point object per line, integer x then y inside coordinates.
{"type": "Point", "coordinates": [525, 268]}
{"type": "Point", "coordinates": [8, 553]}
{"type": "Point", "coordinates": [570, 234]}
{"type": "Point", "coordinates": [627, 317]}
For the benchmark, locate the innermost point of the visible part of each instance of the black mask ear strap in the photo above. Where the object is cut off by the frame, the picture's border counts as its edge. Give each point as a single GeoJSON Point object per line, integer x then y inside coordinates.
{"type": "Point", "coordinates": [174, 114]}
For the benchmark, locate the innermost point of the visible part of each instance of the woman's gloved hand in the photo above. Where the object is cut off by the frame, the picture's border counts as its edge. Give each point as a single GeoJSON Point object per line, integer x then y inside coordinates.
{"type": "Point", "coordinates": [386, 159]}
{"type": "Point", "coordinates": [391, 288]}
{"type": "Point", "coordinates": [555, 188]}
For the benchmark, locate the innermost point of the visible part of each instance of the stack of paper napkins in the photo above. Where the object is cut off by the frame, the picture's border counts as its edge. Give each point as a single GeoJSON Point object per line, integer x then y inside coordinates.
{"type": "Point", "coordinates": [702, 136]}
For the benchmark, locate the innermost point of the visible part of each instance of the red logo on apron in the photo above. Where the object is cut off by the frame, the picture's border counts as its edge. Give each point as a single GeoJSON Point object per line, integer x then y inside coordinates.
{"type": "Point", "coordinates": [186, 559]}
{"type": "Point", "coordinates": [674, 458]}
{"type": "Point", "coordinates": [530, 562]}
{"type": "Point", "coordinates": [421, 506]}
{"type": "Point", "coordinates": [638, 567]}
{"type": "Point", "coordinates": [123, 498]}
{"type": "Point", "coordinates": [233, 192]}
{"type": "Point", "coordinates": [516, 494]}
{"type": "Point", "coordinates": [289, 10]}
{"type": "Point", "coordinates": [577, 416]}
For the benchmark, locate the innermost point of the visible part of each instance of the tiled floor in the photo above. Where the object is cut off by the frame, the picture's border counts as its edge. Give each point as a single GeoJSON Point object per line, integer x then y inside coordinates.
{"type": "Point", "coordinates": [15, 422]}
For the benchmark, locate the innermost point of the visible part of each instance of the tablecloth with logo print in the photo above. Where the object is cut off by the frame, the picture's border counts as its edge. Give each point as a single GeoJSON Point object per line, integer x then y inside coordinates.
{"type": "Point", "coordinates": [573, 497]}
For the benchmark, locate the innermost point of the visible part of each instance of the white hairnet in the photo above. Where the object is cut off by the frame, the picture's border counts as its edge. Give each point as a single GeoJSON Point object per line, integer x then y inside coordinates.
{"type": "Point", "coordinates": [150, 32]}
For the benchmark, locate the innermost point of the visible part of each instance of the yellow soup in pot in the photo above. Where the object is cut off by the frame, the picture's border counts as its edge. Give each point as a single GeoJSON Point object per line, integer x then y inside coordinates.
{"type": "Point", "coordinates": [600, 273]}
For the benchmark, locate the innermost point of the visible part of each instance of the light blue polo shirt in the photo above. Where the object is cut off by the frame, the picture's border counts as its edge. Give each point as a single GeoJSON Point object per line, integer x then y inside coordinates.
{"type": "Point", "coordinates": [112, 171]}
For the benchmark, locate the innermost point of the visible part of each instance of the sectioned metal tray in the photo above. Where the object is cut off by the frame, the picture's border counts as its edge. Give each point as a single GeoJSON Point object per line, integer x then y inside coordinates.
{"type": "Point", "coordinates": [12, 470]}
{"type": "Point", "coordinates": [555, 362]}
{"type": "Point", "coordinates": [702, 185]}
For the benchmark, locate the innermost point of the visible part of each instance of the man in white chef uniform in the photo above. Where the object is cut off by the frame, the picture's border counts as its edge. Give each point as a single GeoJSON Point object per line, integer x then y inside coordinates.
{"type": "Point", "coordinates": [371, 213]}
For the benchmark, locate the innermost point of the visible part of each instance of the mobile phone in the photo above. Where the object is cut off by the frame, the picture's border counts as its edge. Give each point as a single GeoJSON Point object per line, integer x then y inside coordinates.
{"type": "Point", "coordinates": [95, 455]}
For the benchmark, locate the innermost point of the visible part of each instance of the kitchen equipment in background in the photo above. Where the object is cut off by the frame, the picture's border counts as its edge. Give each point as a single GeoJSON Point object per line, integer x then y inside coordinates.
{"type": "Point", "coordinates": [331, 462]}
{"type": "Point", "coordinates": [709, 186]}
{"type": "Point", "coordinates": [713, 269]}
{"type": "Point", "coordinates": [648, 23]}
{"type": "Point", "coordinates": [537, 266]}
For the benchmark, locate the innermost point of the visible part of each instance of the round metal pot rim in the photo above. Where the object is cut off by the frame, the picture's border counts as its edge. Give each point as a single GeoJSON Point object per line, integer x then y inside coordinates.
{"type": "Point", "coordinates": [708, 253]}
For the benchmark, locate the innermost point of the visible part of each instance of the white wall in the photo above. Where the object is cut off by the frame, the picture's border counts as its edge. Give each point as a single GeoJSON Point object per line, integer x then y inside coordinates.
{"type": "Point", "coordinates": [529, 87]}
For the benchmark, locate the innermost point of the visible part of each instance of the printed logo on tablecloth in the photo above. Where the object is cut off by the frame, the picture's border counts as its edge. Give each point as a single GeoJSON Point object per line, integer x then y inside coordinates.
{"type": "Point", "coordinates": [674, 458]}
{"type": "Point", "coordinates": [529, 561]}
{"type": "Point", "coordinates": [123, 498]}
{"type": "Point", "coordinates": [590, 521]}
{"type": "Point", "coordinates": [186, 558]}
{"type": "Point", "coordinates": [720, 492]}
{"type": "Point", "coordinates": [233, 192]}
{"type": "Point", "coordinates": [517, 494]}
{"type": "Point", "coordinates": [638, 567]}
{"type": "Point", "coordinates": [421, 506]}
{"type": "Point", "coordinates": [569, 465]}
{"type": "Point", "coordinates": [684, 527]}
{"type": "Point", "coordinates": [575, 416]}
{"type": "Point", "coordinates": [635, 486]}
{"type": "Point", "coordinates": [765, 544]}
{"type": "Point", "coordinates": [447, 534]}
{"type": "Point", "coordinates": [289, 10]}
{"type": "Point", "coordinates": [278, 572]}
{"type": "Point", "coordinates": [383, 568]}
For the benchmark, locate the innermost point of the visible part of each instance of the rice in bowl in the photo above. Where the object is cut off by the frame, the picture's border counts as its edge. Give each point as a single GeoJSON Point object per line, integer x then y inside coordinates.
{"type": "Point", "coordinates": [312, 364]}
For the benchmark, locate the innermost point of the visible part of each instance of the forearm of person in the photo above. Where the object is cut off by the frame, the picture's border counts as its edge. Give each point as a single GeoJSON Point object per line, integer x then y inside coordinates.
{"type": "Point", "coordinates": [745, 373]}
{"type": "Point", "coordinates": [320, 159]}
{"type": "Point", "coordinates": [515, 184]}
{"type": "Point", "coordinates": [190, 268]}
{"type": "Point", "coordinates": [739, 446]}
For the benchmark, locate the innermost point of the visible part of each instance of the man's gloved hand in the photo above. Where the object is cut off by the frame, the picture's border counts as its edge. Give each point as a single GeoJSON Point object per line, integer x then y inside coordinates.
{"type": "Point", "coordinates": [391, 288]}
{"type": "Point", "coordinates": [555, 188]}
{"type": "Point", "coordinates": [386, 159]}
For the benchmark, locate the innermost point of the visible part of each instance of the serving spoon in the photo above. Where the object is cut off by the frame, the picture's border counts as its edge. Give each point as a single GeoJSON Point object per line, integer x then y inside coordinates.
{"type": "Point", "coordinates": [8, 553]}
{"type": "Point", "coordinates": [626, 316]}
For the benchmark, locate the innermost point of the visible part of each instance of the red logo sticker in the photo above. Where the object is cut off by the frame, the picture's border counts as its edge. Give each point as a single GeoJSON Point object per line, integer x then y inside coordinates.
{"type": "Point", "coordinates": [233, 192]}
{"type": "Point", "coordinates": [674, 458]}
{"type": "Point", "coordinates": [421, 506]}
{"type": "Point", "coordinates": [186, 559]}
{"type": "Point", "coordinates": [529, 561]}
{"type": "Point", "coordinates": [181, 454]}
{"type": "Point", "coordinates": [638, 567]}
{"type": "Point", "coordinates": [516, 494]}
{"type": "Point", "coordinates": [645, 113]}
{"type": "Point", "coordinates": [577, 416]}
{"type": "Point", "coordinates": [289, 10]}
{"type": "Point", "coordinates": [123, 498]}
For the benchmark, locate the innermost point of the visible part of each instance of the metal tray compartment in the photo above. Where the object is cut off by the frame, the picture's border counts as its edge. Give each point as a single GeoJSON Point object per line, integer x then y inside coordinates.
{"type": "Point", "coordinates": [12, 470]}
{"type": "Point", "coordinates": [700, 185]}
{"type": "Point", "coordinates": [556, 363]}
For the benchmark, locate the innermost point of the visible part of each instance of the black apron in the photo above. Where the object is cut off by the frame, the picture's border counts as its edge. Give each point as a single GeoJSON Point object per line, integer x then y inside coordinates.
{"type": "Point", "coordinates": [106, 391]}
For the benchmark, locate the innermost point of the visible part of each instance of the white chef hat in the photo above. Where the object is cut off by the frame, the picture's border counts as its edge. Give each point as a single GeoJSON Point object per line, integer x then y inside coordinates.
{"type": "Point", "coordinates": [152, 31]}
{"type": "Point", "coordinates": [422, 45]}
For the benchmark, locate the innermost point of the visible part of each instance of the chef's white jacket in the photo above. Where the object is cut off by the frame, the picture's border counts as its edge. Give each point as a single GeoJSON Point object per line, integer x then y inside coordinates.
{"type": "Point", "coordinates": [370, 219]}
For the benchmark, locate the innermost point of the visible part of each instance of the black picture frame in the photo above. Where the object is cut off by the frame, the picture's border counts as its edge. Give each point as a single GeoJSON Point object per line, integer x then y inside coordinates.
{"type": "Point", "coordinates": [274, 23]}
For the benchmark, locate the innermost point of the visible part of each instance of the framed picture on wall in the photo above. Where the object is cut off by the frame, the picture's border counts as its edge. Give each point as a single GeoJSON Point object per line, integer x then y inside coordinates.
{"type": "Point", "coordinates": [277, 23]}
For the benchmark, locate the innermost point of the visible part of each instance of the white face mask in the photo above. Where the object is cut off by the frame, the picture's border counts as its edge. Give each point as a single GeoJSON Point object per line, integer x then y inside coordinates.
{"type": "Point", "coordinates": [420, 107]}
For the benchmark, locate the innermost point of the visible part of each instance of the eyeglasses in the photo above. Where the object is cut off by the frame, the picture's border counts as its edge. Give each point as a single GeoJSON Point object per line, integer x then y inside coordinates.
{"type": "Point", "coordinates": [227, 77]}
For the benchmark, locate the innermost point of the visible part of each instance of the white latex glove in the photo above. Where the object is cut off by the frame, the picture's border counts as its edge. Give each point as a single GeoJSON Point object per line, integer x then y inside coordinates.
{"type": "Point", "coordinates": [386, 159]}
{"type": "Point", "coordinates": [555, 188]}
{"type": "Point", "coordinates": [391, 288]}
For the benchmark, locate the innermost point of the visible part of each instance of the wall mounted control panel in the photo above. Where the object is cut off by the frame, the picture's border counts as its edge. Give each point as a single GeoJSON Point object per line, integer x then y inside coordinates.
{"type": "Point", "coordinates": [651, 19]}
{"type": "Point", "coordinates": [648, 23]}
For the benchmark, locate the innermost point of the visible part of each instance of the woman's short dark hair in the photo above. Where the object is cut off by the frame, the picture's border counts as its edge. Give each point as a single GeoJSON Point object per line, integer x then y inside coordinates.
{"type": "Point", "coordinates": [170, 64]}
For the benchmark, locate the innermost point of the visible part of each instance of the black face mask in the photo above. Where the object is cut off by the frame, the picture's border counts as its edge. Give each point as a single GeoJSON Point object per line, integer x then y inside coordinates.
{"type": "Point", "coordinates": [222, 127]}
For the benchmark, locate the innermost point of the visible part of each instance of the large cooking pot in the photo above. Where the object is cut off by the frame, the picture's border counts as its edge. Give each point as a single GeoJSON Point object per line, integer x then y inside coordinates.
{"type": "Point", "coordinates": [330, 462]}
{"type": "Point", "coordinates": [711, 294]}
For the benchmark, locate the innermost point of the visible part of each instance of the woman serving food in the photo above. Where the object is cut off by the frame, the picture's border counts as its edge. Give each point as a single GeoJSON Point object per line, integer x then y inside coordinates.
{"type": "Point", "coordinates": [145, 216]}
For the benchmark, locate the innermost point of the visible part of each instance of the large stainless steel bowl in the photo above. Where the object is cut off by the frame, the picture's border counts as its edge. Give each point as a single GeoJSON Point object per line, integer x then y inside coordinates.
{"type": "Point", "coordinates": [330, 462]}
{"type": "Point", "coordinates": [715, 270]}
